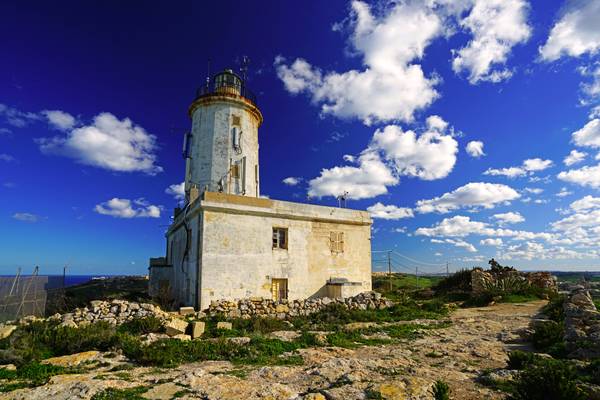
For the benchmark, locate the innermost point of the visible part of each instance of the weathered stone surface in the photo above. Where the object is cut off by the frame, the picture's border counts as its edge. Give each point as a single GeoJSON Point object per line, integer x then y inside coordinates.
{"type": "Point", "coordinates": [582, 325]}
{"type": "Point", "coordinates": [8, 367]}
{"type": "Point", "coordinates": [198, 328]}
{"type": "Point", "coordinates": [166, 391]}
{"type": "Point", "coordinates": [182, 337]}
{"type": "Point", "coordinates": [6, 330]}
{"type": "Point", "coordinates": [286, 336]}
{"type": "Point", "coordinates": [186, 310]}
{"type": "Point", "coordinates": [72, 359]}
{"type": "Point", "coordinates": [224, 325]}
{"type": "Point", "coordinates": [176, 327]}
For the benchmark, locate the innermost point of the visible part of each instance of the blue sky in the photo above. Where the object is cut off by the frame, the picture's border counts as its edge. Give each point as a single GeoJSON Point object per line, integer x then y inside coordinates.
{"type": "Point", "coordinates": [470, 129]}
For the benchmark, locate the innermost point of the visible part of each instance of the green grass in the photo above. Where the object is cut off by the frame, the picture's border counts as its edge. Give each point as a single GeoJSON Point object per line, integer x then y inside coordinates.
{"type": "Point", "coordinates": [31, 375]}
{"type": "Point", "coordinates": [518, 298]}
{"type": "Point", "coordinates": [122, 394]}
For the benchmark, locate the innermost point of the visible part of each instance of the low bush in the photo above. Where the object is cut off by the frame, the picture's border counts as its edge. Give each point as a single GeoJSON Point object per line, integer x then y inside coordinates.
{"type": "Point", "coordinates": [547, 379]}
{"type": "Point", "coordinates": [460, 281]}
{"type": "Point", "coordinates": [554, 308]}
{"type": "Point", "coordinates": [441, 390]}
{"type": "Point", "coordinates": [520, 359]}
{"type": "Point", "coordinates": [142, 326]}
{"type": "Point", "coordinates": [548, 335]}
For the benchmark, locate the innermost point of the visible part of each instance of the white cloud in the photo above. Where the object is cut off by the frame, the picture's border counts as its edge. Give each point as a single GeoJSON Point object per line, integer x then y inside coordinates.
{"type": "Point", "coordinates": [475, 149]}
{"type": "Point", "coordinates": [109, 143]}
{"type": "Point", "coordinates": [176, 190]}
{"type": "Point", "coordinates": [60, 119]}
{"type": "Point", "coordinates": [529, 167]}
{"type": "Point", "coordinates": [430, 155]}
{"type": "Point", "coordinates": [585, 176]}
{"type": "Point", "coordinates": [379, 210]}
{"type": "Point", "coordinates": [7, 157]}
{"type": "Point", "coordinates": [574, 157]}
{"type": "Point", "coordinates": [369, 179]}
{"type": "Point", "coordinates": [17, 118]}
{"type": "Point", "coordinates": [27, 217]}
{"type": "Point", "coordinates": [589, 135]}
{"type": "Point", "coordinates": [497, 26]}
{"type": "Point", "coordinates": [491, 242]}
{"type": "Point", "coordinates": [534, 190]}
{"type": "Point", "coordinates": [563, 192]}
{"type": "Point", "coordinates": [577, 32]}
{"type": "Point", "coordinates": [586, 203]}
{"type": "Point", "coordinates": [508, 218]}
{"type": "Point", "coordinates": [458, 243]}
{"type": "Point", "coordinates": [391, 86]}
{"type": "Point", "coordinates": [595, 112]}
{"type": "Point", "coordinates": [291, 181]}
{"type": "Point", "coordinates": [592, 88]}
{"type": "Point", "coordinates": [392, 153]}
{"type": "Point", "coordinates": [349, 158]}
{"type": "Point", "coordinates": [471, 195]}
{"type": "Point", "coordinates": [124, 208]}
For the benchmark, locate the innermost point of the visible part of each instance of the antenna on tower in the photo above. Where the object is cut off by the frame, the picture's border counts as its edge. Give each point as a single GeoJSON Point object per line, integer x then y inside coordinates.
{"type": "Point", "coordinates": [208, 74]}
{"type": "Point", "coordinates": [244, 67]}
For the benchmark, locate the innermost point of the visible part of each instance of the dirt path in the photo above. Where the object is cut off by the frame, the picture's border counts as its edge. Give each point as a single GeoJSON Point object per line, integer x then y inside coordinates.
{"type": "Point", "coordinates": [476, 340]}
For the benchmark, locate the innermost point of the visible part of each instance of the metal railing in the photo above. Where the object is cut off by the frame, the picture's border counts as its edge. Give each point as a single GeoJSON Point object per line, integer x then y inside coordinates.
{"type": "Point", "coordinates": [227, 89]}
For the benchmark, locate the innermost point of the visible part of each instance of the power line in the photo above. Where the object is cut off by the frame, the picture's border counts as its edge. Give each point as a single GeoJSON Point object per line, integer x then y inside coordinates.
{"type": "Point", "coordinates": [417, 261]}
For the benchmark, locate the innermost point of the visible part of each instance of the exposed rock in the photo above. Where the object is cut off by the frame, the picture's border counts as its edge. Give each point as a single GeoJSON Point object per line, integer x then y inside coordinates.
{"type": "Point", "coordinates": [182, 337]}
{"type": "Point", "coordinates": [198, 328]}
{"type": "Point", "coordinates": [224, 325]}
{"type": "Point", "coordinates": [6, 330]}
{"type": "Point", "coordinates": [72, 359]}
{"type": "Point", "coordinates": [176, 327]}
{"type": "Point", "coordinates": [286, 336]}
{"type": "Point", "coordinates": [8, 367]}
{"type": "Point", "coordinates": [166, 391]}
{"type": "Point", "coordinates": [186, 310]}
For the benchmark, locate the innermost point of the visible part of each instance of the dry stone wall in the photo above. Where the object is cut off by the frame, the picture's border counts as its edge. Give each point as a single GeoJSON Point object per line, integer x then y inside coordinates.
{"type": "Point", "coordinates": [284, 309]}
{"type": "Point", "coordinates": [482, 281]}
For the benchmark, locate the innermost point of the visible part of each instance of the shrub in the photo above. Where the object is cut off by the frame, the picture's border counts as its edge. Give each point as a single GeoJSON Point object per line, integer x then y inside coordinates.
{"type": "Point", "coordinates": [134, 393]}
{"type": "Point", "coordinates": [520, 359]}
{"type": "Point", "coordinates": [441, 390]}
{"type": "Point", "coordinates": [547, 379]}
{"type": "Point", "coordinates": [548, 335]}
{"type": "Point", "coordinates": [459, 281]}
{"type": "Point", "coordinates": [554, 308]}
{"type": "Point", "coordinates": [142, 326]}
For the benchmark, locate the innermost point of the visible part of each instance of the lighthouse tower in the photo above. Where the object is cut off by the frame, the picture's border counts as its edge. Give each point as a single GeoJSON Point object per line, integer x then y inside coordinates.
{"type": "Point", "coordinates": [221, 151]}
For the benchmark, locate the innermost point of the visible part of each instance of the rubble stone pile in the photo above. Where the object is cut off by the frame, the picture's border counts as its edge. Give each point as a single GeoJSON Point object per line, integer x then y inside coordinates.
{"type": "Point", "coordinates": [114, 312]}
{"type": "Point", "coordinates": [257, 306]}
{"type": "Point", "coordinates": [582, 324]}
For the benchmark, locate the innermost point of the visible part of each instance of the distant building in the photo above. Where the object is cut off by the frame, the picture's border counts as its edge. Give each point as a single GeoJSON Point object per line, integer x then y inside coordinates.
{"type": "Point", "coordinates": [227, 242]}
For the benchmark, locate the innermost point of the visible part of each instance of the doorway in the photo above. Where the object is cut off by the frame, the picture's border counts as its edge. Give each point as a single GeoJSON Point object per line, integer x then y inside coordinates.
{"type": "Point", "coordinates": [279, 289]}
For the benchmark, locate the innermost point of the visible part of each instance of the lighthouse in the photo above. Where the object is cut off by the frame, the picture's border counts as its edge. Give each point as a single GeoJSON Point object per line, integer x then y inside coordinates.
{"type": "Point", "coordinates": [221, 150]}
{"type": "Point", "coordinates": [228, 241]}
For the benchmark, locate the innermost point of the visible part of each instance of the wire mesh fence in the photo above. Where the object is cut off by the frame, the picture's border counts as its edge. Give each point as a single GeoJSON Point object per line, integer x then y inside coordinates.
{"type": "Point", "coordinates": [22, 295]}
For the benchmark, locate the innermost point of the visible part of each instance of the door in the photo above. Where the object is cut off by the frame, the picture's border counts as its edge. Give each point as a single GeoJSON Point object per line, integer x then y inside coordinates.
{"type": "Point", "coordinates": [279, 289]}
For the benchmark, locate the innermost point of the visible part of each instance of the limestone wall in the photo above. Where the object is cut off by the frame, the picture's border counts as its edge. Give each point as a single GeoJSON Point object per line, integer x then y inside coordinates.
{"type": "Point", "coordinates": [582, 325]}
{"type": "Point", "coordinates": [482, 281]}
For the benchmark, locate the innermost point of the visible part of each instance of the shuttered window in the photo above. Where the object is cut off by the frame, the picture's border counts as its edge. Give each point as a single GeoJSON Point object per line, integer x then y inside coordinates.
{"type": "Point", "coordinates": [280, 238]}
{"type": "Point", "coordinates": [336, 241]}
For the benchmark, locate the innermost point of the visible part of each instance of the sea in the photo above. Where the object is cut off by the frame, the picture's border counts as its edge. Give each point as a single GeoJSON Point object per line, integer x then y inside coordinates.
{"type": "Point", "coordinates": [56, 281]}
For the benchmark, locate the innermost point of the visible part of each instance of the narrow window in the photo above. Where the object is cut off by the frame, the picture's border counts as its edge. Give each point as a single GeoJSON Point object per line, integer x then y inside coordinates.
{"type": "Point", "coordinates": [336, 242]}
{"type": "Point", "coordinates": [280, 238]}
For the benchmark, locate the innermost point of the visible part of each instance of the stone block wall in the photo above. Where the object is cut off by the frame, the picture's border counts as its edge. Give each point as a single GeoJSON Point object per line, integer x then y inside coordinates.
{"type": "Point", "coordinates": [582, 325]}
{"type": "Point", "coordinates": [481, 280]}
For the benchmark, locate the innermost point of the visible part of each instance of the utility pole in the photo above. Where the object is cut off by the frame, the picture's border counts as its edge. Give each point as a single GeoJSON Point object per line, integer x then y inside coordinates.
{"type": "Point", "coordinates": [390, 269]}
{"type": "Point", "coordinates": [417, 275]}
{"type": "Point", "coordinates": [447, 270]}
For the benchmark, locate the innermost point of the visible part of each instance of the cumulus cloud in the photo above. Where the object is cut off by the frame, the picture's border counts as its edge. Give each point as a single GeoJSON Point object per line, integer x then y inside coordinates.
{"type": "Point", "coordinates": [391, 86]}
{"type": "Point", "coordinates": [60, 119]}
{"type": "Point", "coordinates": [392, 153]}
{"type": "Point", "coordinates": [369, 179]}
{"type": "Point", "coordinates": [125, 208]}
{"type": "Point", "coordinates": [430, 155]}
{"type": "Point", "coordinates": [586, 203]}
{"type": "Point", "coordinates": [475, 149]}
{"type": "Point", "coordinates": [176, 190]}
{"type": "Point", "coordinates": [528, 167]}
{"type": "Point", "coordinates": [496, 26]}
{"type": "Point", "coordinates": [534, 190]}
{"type": "Point", "coordinates": [508, 218]}
{"type": "Point", "coordinates": [589, 135]}
{"type": "Point", "coordinates": [379, 210]}
{"type": "Point", "coordinates": [457, 243]}
{"type": "Point", "coordinates": [471, 195]}
{"type": "Point", "coordinates": [584, 176]}
{"type": "Point", "coordinates": [27, 217]}
{"type": "Point", "coordinates": [577, 32]}
{"type": "Point", "coordinates": [109, 143]}
{"type": "Point", "coordinates": [574, 157]}
{"type": "Point", "coordinates": [563, 192]}
{"type": "Point", "coordinates": [491, 242]}
{"type": "Point", "coordinates": [291, 181]}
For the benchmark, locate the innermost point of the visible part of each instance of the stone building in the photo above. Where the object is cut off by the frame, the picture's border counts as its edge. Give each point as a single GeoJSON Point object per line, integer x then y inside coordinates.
{"type": "Point", "coordinates": [228, 242]}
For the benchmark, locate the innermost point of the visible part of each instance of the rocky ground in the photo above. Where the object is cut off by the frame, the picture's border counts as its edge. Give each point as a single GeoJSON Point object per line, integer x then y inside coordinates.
{"type": "Point", "coordinates": [477, 340]}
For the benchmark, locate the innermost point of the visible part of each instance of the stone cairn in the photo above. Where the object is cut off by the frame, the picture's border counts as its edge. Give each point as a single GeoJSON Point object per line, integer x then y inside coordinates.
{"type": "Point", "coordinates": [115, 312]}
{"type": "Point", "coordinates": [582, 324]}
{"type": "Point", "coordinates": [284, 309]}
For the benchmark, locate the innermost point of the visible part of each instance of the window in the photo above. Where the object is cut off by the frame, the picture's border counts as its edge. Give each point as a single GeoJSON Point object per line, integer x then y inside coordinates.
{"type": "Point", "coordinates": [336, 242]}
{"type": "Point", "coordinates": [279, 289]}
{"type": "Point", "coordinates": [280, 238]}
